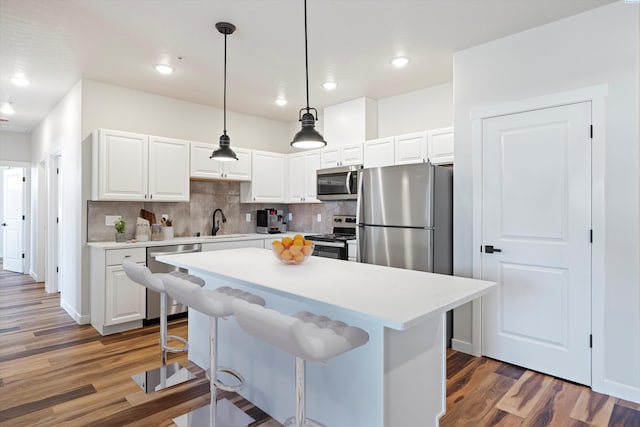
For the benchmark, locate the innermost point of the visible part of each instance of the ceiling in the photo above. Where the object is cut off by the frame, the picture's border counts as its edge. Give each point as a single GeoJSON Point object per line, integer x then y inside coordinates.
{"type": "Point", "coordinates": [54, 43]}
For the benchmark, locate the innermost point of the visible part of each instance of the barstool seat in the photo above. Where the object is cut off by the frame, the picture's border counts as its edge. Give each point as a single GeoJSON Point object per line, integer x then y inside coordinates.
{"type": "Point", "coordinates": [305, 335]}
{"type": "Point", "coordinates": [214, 303]}
{"type": "Point", "coordinates": [166, 375]}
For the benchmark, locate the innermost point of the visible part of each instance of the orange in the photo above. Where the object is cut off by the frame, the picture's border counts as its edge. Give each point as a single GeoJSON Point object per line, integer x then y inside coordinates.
{"type": "Point", "coordinates": [287, 241]}
{"type": "Point", "coordinates": [306, 250]}
{"type": "Point", "coordinates": [277, 247]}
{"type": "Point", "coordinates": [298, 237]}
{"type": "Point", "coordinates": [308, 243]}
{"type": "Point", "coordinates": [286, 255]}
{"type": "Point", "coordinates": [295, 249]}
{"type": "Point", "coordinates": [299, 257]}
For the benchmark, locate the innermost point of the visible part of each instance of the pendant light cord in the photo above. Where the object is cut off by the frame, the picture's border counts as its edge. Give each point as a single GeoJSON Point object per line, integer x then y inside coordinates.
{"type": "Point", "coordinates": [225, 85]}
{"type": "Point", "coordinates": [306, 57]}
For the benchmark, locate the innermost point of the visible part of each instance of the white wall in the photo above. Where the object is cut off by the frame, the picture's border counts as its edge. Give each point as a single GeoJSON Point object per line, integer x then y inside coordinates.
{"type": "Point", "coordinates": [593, 48]}
{"type": "Point", "coordinates": [114, 107]}
{"type": "Point", "coordinates": [15, 146]}
{"type": "Point", "coordinates": [60, 131]}
{"type": "Point", "coordinates": [428, 108]}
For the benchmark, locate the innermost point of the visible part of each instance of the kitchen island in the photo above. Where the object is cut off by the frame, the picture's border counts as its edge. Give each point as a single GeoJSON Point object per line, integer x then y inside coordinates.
{"type": "Point", "coordinates": [396, 379]}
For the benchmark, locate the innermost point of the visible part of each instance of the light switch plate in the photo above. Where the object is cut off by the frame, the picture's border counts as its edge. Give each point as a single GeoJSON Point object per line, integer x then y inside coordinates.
{"type": "Point", "coordinates": [319, 217]}
{"type": "Point", "coordinates": [111, 219]}
{"type": "Point", "coordinates": [248, 217]}
{"type": "Point", "coordinates": [290, 216]}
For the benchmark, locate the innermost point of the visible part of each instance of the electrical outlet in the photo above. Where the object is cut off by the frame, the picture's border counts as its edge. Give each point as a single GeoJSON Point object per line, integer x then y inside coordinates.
{"type": "Point", "coordinates": [319, 217]}
{"type": "Point", "coordinates": [111, 219]}
{"type": "Point", "coordinates": [248, 217]}
{"type": "Point", "coordinates": [290, 216]}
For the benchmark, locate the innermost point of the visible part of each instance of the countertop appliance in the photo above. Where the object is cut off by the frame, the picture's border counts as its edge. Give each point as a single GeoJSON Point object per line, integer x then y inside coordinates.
{"type": "Point", "coordinates": [405, 219]}
{"type": "Point", "coordinates": [268, 221]}
{"type": "Point", "coordinates": [153, 298]}
{"type": "Point", "coordinates": [339, 183]}
{"type": "Point", "coordinates": [334, 245]}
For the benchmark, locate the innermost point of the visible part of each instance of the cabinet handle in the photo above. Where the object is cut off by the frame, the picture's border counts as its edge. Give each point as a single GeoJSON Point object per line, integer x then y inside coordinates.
{"type": "Point", "coordinates": [145, 196]}
{"type": "Point", "coordinates": [151, 196]}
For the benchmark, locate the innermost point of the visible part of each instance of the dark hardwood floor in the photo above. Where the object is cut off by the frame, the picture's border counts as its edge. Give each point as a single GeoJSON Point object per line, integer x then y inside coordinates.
{"type": "Point", "coordinates": [56, 372]}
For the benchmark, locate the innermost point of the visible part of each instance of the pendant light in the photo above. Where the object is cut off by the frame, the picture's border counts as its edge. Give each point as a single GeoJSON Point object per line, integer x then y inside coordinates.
{"type": "Point", "coordinates": [225, 153]}
{"type": "Point", "coordinates": [308, 137]}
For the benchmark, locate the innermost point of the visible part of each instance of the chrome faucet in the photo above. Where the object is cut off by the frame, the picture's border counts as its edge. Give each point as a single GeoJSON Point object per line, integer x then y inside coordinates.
{"type": "Point", "coordinates": [216, 225]}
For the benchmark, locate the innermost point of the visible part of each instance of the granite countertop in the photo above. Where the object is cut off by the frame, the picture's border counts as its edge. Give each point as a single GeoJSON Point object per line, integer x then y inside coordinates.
{"type": "Point", "coordinates": [189, 240]}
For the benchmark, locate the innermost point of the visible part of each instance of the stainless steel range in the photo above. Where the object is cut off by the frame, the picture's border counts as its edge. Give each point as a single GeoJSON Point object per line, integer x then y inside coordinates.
{"type": "Point", "coordinates": [334, 245]}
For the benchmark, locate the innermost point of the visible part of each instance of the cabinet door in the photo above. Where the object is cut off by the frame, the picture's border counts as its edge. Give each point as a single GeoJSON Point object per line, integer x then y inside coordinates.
{"type": "Point", "coordinates": [201, 165]}
{"type": "Point", "coordinates": [411, 148]}
{"type": "Point", "coordinates": [311, 165]}
{"type": "Point", "coordinates": [268, 177]}
{"type": "Point", "coordinates": [441, 146]}
{"type": "Point", "coordinates": [120, 160]}
{"type": "Point", "coordinates": [379, 152]}
{"type": "Point", "coordinates": [330, 157]}
{"type": "Point", "coordinates": [351, 154]}
{"type": "Point", "coordinates": [297, 177]}
{"type": "Point", "coordinates": [125, 300]}
{"type": "Point", "coordinates": [168, 169]}
{"type": "Point", "coordinates": [240, 170]}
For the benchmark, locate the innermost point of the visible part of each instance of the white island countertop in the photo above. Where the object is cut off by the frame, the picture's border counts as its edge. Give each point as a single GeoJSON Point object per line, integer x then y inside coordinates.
{"type": "Point", "coordinates": [392, 297]}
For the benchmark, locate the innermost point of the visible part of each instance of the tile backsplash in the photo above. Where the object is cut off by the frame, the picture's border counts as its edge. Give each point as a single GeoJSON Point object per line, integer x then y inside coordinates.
{"type": "Point", "coordinates": [195, 216]}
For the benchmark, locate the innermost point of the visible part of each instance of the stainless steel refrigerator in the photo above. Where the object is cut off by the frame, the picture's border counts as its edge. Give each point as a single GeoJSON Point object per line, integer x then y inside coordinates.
{"type": "Point", "coordinates": [405, 217]}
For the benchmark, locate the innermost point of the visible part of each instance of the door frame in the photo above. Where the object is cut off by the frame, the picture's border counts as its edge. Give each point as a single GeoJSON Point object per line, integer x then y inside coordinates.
{"type": "Point", "coordinates": [52, 235]}
{"type": "Point", "coordinates": [597, 96]}
{"type": "Point", "coordinates": [26, 224]}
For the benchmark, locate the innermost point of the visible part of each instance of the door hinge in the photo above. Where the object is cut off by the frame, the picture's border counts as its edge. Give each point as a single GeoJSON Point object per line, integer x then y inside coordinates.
{"type": "Point", "coordinates": [23, 218]}
{"type": "Point", "coordinates": [22, 256]}
{"type": "Point", "coordinates": [57, 220]}
{"type": "Point", "coordinates": [57, 269]}
{"type": "Point", "coordinates": [590, 236]}
{"type": "Point", "coordinates": [590, 341]}
{"type": "Point", "coordinates": [24, 179]}
{"type": "Point", "coordinates": [591, 131]}
{"type": "Point", "coordinates": [57, 171]}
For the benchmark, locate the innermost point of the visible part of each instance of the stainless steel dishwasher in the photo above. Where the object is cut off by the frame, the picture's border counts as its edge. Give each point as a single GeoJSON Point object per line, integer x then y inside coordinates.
{"type": "Point", "coordinates": [153, 298]}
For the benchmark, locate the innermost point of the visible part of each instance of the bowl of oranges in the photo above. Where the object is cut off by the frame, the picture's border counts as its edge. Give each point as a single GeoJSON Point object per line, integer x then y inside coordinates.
{"type": "Point", "coordinates": [292, 250]}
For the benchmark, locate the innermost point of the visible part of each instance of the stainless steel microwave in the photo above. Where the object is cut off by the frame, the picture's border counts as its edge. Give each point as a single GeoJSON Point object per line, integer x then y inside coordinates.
{"type": "Point", "coordinates": [339, 183]}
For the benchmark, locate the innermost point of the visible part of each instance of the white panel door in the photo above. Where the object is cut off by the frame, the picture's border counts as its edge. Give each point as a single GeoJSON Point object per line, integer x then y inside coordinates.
{"type": "Point", "coordinates": [240, 170]}
{"type": "Point", "coordinates": [123, 162]}
{"type": "Point", "coordinates": [311, 165]}
{"type": "Point", "coordinates": [201, 165]}
{"type": "Point", "coordinates": [12, 222]}
{"type": "Point", "coordinates": [536, 210]}
{"type": "Point", "coordinates": [330, 157]}
{"type": "Point", "coordinates": [168, 169]}
{"type": "Point", "coordinates": [411, 148]}
{"type": "Point", "coordinates": [268, 177]}
{"type": "Point", "coordinates": [379, 152]}
{"type": "Point", "coordinates": [296, 177]}
{"type": "Point", "coordinates": [351, 155]}
{"type": "Point", "coordinates": [125, 300]}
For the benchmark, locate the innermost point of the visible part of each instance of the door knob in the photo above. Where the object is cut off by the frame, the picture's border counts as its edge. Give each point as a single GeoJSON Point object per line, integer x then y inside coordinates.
{"type": "Point", "coordinates": [4, 224]}
{"type": "Point", "coordinates": [490, 249]}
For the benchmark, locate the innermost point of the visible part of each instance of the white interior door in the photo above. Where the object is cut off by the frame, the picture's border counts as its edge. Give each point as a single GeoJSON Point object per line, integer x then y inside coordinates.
{"type": "Point", "coordinates": [536, 214]}
{"type": "Point", "coordinates": [12, 222]}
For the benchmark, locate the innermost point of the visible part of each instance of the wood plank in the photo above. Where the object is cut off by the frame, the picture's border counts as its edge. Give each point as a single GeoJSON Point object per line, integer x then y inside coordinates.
{"type": "Point", "coordinates": [555, 405]}
{"type": "Point", "coordinates": [593, 408]}
{"type": "Point", "coordinates": [624, 417]}
{"type": "Point", "coordinates": [524, 394]}
{"type": "Point", "coordinates": [36, 405]}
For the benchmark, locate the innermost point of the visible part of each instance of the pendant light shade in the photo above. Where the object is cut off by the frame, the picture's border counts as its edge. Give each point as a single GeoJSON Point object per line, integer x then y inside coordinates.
{"type": "Point", "coordinates": [308, 137]}
{"type": "Point", "coordinates": [225, 153]}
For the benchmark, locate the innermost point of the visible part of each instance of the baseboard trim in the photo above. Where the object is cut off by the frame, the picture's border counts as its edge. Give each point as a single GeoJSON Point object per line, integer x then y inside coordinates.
{"type": "Point", "coordinates": [619, 390]}
{"type": "Point", "coordinates": [80, 319]}
{"type": "Point", "coordinates": [34, 276]}
{"type": "Point", "coordinates": [463, 346]}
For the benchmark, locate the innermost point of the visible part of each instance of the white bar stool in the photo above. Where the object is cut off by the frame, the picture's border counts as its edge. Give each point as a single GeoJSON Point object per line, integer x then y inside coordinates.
{"type": "Point", "coordinates": [306, 336]}
{"type": "Point", "coordinates": [215, 304]}
{"type": "Point", "coordinates": [166, 375]}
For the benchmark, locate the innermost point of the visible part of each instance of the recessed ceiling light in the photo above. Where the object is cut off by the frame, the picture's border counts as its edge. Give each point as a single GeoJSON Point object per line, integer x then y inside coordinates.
{"type": "Point", "coordinates": [20, 81]}
{"type": "Point", "coordinates": [281, 102]}
{"type": "Point", "coordinates": [329, 85]}
{"type": "Point", "coordinates": [163, 68]}
{"type": "Point", "coordinates": [400, 61]}
{"type": "Point", "coordinates": [7, 108]}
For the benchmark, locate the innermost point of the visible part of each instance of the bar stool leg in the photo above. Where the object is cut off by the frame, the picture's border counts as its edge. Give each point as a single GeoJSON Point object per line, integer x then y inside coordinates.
{"type": "Point", "coordinates": [300, 399]}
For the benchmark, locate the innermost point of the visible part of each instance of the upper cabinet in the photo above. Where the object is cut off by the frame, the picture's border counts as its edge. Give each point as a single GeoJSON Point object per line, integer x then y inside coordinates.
{"type": "Point", "coordinates": [441, 146]}
{"type": "Point", "coordinates": [351, 122]}
{"type": "Point", "coordinates": [204, 167]}
{"type": "Point", "coordinates": [130, 166]}
{"type": "Point", "coordinates": [268, 179]}
{"type": "Point", "coordinates": [302, 176]}
{"type": "Point", "coordinates": [434, 145]}
{"type": "Point", "coordinates": [341, 156]}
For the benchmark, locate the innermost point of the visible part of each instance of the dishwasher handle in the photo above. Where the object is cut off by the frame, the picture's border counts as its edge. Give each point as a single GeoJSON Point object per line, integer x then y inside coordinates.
{"type": "Point", "coordinates": [156, 254]}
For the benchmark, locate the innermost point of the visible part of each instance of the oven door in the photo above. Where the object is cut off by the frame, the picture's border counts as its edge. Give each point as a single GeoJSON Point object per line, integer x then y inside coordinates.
{"type": "Point", "coordinates": [335, 250]}
{"type": "Point", "coordinates": [337, 183]}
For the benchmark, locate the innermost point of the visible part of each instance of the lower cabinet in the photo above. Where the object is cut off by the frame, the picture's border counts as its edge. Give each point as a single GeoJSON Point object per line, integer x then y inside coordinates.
{"type": "Point", "coordinates": [117, 303]}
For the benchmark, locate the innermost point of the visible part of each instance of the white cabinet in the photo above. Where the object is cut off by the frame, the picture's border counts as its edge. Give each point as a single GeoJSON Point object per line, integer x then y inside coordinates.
{"type": "Point", "coordinates": [204, 167]}
{"type": "Point", "coordinates": [130, 166]}
{"type": "Point", "coordinates": [302, 176]}
{"type": "Point", "coordinates": [345, 155]}
{"type": "Point", "coordinates": [117, 303]}
{"type": "Point", "coordinates": [441, 146]}
{"type": "Point", "coordinates": [350, 122]}
{"type": "Point", "coordinates": [352, 250]}
{"type": "Point", "coordinates": [268, 179]}
{"type": "Point", "coordinates": [379, 152]}
{"type": "Point", "coordinates": [411, 148]}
